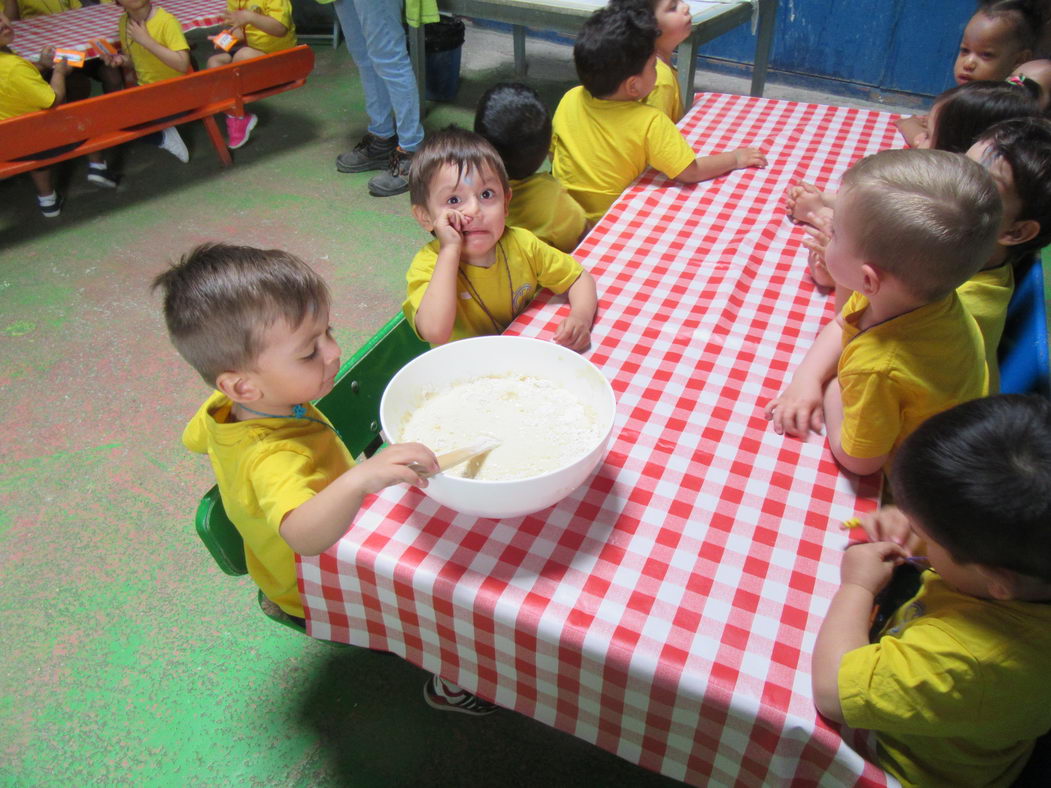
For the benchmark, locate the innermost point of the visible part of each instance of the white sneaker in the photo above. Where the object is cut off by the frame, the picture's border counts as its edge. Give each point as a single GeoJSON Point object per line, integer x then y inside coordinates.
{"type": "Point", "coordinates": [172, 142]}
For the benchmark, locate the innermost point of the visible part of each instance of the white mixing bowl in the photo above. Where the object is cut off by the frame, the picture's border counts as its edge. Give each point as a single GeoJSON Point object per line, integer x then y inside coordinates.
{"type": "Point", "coordinates": [465, 359]}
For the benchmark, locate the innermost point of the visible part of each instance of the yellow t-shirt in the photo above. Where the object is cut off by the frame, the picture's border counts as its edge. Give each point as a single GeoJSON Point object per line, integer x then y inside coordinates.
{"type": "Point", "coordinates": [22, 89]}
{"type": "Point", "coordinates": [166, 31]}
{"type": "Point", "coordinates": [598, 147]}
{"type": "Point", "coordinates": [986, 296]}
{"type": "Point", "coordinates": [542, 206]}
{"type": "Point", "coordinates": [27, 9]}
{"type": "Point", "coordinates": [665, 95]}
{"type": "Point", "coordinates": [281, 10]}
{"type": "Point", "coordinates": [265, 468]}
{"type": "Point", "coordinates": [897, 374]}
{"type": "Point", "coordinates": [523, 265]}
{"type": "Point", "coordinates": [956, 688]}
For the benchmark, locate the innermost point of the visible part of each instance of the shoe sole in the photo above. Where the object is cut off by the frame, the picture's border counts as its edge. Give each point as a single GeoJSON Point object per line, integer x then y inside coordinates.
{"type": "Point", "coordinates": [100, 180]}
{"type": "Point", "coordinates": [387, 192]}
{"type": "Point", "coordinates": [248, 132]}
{"type": "Point", "coordinates": [377, 165]}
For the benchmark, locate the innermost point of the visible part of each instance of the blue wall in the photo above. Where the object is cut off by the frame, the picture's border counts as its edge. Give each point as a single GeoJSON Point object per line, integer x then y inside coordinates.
{"type": "Point", "coordinates": [905, 46]}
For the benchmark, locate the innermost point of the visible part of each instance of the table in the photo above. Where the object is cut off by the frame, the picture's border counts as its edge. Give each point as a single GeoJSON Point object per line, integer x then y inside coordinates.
{"type": "Point", "coordinates": [667, 610]}
{"type": "Point", "coordinates": [711, 18]}
{"type": "Point", "coordinates": [76, 28]}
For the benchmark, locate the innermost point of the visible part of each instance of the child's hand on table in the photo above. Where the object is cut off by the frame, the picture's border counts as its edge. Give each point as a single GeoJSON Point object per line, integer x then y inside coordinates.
{"type": "Point", "coordinates": [748, 157]}
{"type": "Point", "coordinates": [798, 409]}
{"type": "Point", "coordinates": [390, 466]}
{"type": "Point", "coordinates": [574, 333]}
{"type": "Point", "coordinates": [871, 565]}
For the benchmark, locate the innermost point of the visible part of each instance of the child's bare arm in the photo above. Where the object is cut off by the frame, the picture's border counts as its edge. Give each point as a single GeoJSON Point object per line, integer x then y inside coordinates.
{"type": "Point", "coordinates": [176, 59]}
{"type": "Point", "coordinates": [575, 331]}
{"type": "Point", "coordinates": [313, 527]}
{"type": "Point", "coordinates": [798, 409]}
{"type": "Point", "coordinates": [267, 24]}
{"type": "Point", "coordinates": [865, 570]}
{"type": "Point", "coordinates": [437, 311]}
{"type": "Point", "coordinates": [833, 408]}
{"type": "Point", "coordinates": [59, 72]}
{"type": "Point", "coordinates": [706, 167]}
{"type": "Point", "coordinates": [912, 127]}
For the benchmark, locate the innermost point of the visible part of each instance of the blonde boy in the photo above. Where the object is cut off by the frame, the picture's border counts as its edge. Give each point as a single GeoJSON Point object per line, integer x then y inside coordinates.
{"type": "Point", "coordinates": [479, 274]}
{"type": "Point", "coordinates": [603, 136]}
{"type": "Point", "coordinates": [153, 48]}
{"type": "Point", "coordinates": [908, 228]}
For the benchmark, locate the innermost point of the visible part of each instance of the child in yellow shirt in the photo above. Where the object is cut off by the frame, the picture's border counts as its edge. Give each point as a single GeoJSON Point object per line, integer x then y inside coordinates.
{"type": "Point", "coordinates": [908, 228]}
{"type": "Point", "coordinates": [260, 27]}
{"type": "Point", "coordinates": [674, 25]}
{"type": "Point", "coordinates": [254, 323]}
{"type": "Point", "coordinates": [515, 121]}
{"type": "Point", "coordinates": [955, 683]}
{"type": "Point", "coordinates": [153, 48]}
{"type": "Point", "coordinates": [1017, 154]}
{"type": "Point", "coordinates": [479, 274]}
{"type": "Point", "coordinates": [603, 136]}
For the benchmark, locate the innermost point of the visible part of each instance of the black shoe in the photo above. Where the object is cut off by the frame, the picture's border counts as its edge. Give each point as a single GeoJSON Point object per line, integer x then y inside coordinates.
{"type": "Point", "coordinates": [372, 153]}
{"type": "Point", "coordinates": [52, 210]}
{"type": "Point", "coordinates": [396, 179]}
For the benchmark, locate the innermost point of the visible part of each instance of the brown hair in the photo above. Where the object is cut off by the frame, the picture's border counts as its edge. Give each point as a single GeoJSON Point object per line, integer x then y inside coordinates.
{"type": "Point", "coordinates": [453, 145]}
{"type": "Point", "coordinates": [220, 299]}
{"type": "Point", "coordinates": [930, 217]}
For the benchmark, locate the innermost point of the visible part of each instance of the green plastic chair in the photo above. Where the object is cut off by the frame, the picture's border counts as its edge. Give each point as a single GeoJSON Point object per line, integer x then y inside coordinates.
{"type": "Point", "coordinates": [353, 407]}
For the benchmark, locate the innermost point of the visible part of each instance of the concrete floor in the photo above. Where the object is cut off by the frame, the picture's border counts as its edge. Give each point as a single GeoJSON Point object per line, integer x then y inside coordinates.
{"type": "Point", "coordinates": [128, 657]}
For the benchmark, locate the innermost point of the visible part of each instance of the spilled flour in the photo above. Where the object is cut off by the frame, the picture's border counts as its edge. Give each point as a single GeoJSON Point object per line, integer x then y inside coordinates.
{"type": "Point", "coordinates": [541, 425]}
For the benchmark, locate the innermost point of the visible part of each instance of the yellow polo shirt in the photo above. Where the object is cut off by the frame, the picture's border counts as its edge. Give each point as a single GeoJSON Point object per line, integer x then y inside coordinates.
{"type": "Point", "coordinates": [27, 9]}
{"type": "Point", "coordinates": [22, 89]}
{"type": "Point", "coordinates": [665, 95]}
{"type": "Point", "coordinates": [598, 147]}
{"type": "Point", "coordinates": [542, 206]}
{"type": "Point", "coordinates": [165, 30]}
{"type": "Point", "coordinates": [986, 296]}
{"type": "Point", "coordinates": [281, 10]}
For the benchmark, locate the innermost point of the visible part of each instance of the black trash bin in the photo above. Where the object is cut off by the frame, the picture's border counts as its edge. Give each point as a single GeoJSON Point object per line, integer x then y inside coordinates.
{"type": "Point", "coordinates": [443, 45]}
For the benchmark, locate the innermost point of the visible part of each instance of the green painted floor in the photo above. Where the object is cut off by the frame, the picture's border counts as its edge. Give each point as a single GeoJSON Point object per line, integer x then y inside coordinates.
{"type": "Point", "coordinates": [128, 658]}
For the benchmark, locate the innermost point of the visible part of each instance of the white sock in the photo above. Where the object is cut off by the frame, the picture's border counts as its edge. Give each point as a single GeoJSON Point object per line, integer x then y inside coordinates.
{"type": "Point", "coordinates": [49, 199]}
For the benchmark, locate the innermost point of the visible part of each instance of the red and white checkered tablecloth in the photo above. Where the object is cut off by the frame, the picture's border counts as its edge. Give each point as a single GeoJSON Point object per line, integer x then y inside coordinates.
{"type": "Point", "coordinates": [76, 29]}
{"type": "Point", "coordinates": [667, 610]}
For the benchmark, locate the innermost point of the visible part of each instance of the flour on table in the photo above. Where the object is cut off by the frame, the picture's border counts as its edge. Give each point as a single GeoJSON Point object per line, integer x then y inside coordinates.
{"type": "Point", "coordinates": [541, 425]}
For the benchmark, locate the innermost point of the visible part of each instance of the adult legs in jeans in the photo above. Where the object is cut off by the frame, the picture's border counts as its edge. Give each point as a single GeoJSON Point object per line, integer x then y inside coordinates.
{"type": "Point", "coordinates": [376, 41]}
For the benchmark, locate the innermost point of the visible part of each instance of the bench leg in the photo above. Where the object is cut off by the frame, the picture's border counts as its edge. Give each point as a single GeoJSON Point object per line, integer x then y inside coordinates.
{"type": "Point", "coordinates": [217, 141]}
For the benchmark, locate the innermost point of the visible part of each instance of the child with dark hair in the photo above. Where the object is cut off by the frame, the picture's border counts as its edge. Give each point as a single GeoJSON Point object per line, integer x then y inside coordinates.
{"type": "Point", "coordinates": [674, 22]}
{"type": "Point", "coordinates": [603, 137]}
{"type": "Point", "coordinates": [1035, 76]}
{"type": "Point", "coordinates": [516, 123]}
{"type": "Point", "coordinates": [479, 274]}
{"type": "Point", "coordinates": [955, 685]}
{"type": "Point", "coordinates": [1017, 154]}
{"type": "Point", "coordinates": [1000, 36]}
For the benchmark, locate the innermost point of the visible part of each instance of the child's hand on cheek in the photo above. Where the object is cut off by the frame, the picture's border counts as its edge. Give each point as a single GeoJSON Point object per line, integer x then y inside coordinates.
{"type": "Point", "coordinates": [449, 227]}
{"type": "Point", "coordinates": [574, 334]}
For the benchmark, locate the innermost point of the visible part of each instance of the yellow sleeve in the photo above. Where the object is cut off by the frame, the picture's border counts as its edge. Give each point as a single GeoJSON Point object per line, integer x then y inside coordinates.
{"type": "Point", "coordinates": [280, 10]}
{"type": "Point", "coordinates": [924, 683]}
{"type": "Point", "coordinates": [417, 278]}
{"type": "Point", "coordinates": [666, 148]}
{"type": "Point", "coordinates": [555, 270]}
{"type": "Point", "coordinates": [872, 417]}
{"type": "Point", "coordinates": [284, 479]}
{"type": "Point", "coordinates": [170, 34]}
{"type": "Point", "coordinates": [25, 91]}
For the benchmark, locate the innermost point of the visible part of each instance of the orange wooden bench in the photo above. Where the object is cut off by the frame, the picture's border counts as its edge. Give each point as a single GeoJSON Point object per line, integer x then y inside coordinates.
{"type": "Point", "coordinates": [114, 118]}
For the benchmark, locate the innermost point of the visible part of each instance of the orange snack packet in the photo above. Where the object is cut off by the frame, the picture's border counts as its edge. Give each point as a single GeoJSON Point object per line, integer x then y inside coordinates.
{"type": "Point", "coordinates": [74, 57]}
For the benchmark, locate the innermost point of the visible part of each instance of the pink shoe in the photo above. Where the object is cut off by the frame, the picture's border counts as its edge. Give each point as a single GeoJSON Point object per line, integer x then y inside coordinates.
{"type": "Point", "coordinates": [238, 130]}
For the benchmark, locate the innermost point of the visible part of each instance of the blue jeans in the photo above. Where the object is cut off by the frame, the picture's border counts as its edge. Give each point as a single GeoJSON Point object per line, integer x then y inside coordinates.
{"type": "Point", "coordinates": [376, 41]}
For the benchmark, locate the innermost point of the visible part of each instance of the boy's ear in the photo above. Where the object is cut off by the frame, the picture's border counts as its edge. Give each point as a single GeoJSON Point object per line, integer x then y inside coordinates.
{"type": "Point", "coordinates": [1019, 233]}
{"type": "Point", "coordinates": [872, 279]}
{"type": "Point", "coordinates": [423, 218]}
{"type": "Point", "coordinates": [238, 387]}
{"type": "Point", "coordinates": [507, 200]}
{"type": "Point", "coordinates": [632, 87]}
{"type": "Point", "coordinates": [1002, 583]}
